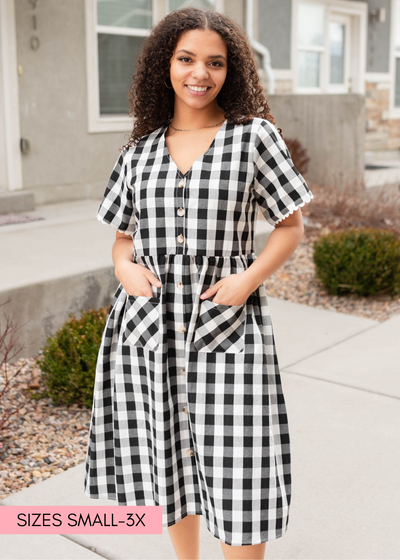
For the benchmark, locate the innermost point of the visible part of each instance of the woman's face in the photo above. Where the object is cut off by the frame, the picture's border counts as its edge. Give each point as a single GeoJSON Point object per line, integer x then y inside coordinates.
{"type": "Point", "coordinates": [199, 60]}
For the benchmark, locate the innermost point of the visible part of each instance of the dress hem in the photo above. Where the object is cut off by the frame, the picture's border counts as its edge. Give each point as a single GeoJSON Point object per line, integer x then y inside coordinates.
{"type": "Point", "coordinates": [281, 534]}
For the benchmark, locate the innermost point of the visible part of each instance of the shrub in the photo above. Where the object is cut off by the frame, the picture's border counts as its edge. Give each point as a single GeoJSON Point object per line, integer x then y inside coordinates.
{"type": "Point", "coordinates": [68, 360]}
{"type": "Point", "coordinates": [365, 261]}
{"type": "Point", "coordinates": [10, 347]}
{"type": "Point", "coordinates": [298, 154]}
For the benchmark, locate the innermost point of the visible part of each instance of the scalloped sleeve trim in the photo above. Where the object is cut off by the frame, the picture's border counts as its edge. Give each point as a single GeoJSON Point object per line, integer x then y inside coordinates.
{"type": "Point", "coordinates": [306, 198]}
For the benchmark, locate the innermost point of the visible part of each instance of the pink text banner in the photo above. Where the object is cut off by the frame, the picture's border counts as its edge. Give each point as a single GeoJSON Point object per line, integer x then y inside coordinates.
{"type": "Point", "coordinates": [82, 520]}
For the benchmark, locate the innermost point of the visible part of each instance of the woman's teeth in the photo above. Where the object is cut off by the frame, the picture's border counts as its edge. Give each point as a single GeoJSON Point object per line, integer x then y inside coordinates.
{"type": "Point", "coordinates": [194, 88]}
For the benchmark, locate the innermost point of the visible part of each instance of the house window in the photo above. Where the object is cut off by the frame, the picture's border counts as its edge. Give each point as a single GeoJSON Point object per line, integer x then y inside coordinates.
{"type": "Point", "coordinates": [121, 28]}
{"type": "Point", "coordinates": [203, 4]}
{"type": "Point", "coordinates": [115, 33]}
{"type": "Point", "coordinates": [311, 44]}
{"type": "Point", "coordinates": [397, 54]}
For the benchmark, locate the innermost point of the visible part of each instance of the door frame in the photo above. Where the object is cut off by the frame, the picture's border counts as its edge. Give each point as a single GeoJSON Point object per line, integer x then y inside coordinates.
{"type": "Point", "coordinates": [10, 152]}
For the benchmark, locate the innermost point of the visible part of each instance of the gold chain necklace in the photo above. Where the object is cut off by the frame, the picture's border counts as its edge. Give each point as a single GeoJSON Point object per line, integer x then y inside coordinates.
{"type": "Point", "coordinates": [188, 130]}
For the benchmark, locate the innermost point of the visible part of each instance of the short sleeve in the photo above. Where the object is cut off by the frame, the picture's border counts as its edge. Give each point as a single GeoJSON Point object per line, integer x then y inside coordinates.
{"type": "Point", "coordinates": [116, 208]}
{"type": "Point", "coordinates": [278, 186]}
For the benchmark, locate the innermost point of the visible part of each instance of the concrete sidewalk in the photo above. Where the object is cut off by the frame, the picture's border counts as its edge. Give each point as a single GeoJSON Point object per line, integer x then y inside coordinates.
{"type": "Point", "coordinates": [382, 175]}
{"type": "Point", "coordinates": [341, 379]}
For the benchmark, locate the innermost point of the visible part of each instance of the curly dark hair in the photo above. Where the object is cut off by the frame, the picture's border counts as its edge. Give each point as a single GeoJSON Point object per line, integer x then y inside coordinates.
{"type": "Point", "coordinates": [151, 104]}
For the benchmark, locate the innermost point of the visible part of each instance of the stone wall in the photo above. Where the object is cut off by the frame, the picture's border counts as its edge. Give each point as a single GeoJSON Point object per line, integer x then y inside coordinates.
{"type": "Point", "coordinates": [382, 133]}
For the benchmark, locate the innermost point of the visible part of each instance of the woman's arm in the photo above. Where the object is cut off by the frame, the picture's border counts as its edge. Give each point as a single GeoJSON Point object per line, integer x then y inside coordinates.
{"type": "Point", "coordinates": [122, 251]}
{"type": "Point", "coordinates": [281, 244]}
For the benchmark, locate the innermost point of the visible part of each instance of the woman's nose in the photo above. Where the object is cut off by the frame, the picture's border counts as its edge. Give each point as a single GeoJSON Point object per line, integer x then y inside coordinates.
{"type": "Point", "coordinates": [200, 72]}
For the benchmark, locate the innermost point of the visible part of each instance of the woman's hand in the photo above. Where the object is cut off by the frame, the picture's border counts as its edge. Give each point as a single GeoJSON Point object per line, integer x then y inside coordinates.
{"type": "Point", "coordinates": [232, 290]}
{"type": "Point", "coordinates": [135, 278]}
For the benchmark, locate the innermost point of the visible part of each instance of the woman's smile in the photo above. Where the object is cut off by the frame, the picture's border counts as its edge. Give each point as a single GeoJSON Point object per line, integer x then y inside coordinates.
{"type": "Point", "coordinates": [197, 90]}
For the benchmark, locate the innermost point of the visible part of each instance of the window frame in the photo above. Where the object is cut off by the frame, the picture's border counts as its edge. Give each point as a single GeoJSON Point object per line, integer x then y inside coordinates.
{"type": "Point", "coordinates": [394, 112]}
{"type": "Point", "coordinates": [359, 44]}
{"type": "Point", "coordinates": [96, 122]}
{"type": "Point", "coordinates": [311, 48]}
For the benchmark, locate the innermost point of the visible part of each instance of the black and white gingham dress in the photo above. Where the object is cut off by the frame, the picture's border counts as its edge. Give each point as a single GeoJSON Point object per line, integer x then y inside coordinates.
{"type": "Point", "coordinates": [188, 410]}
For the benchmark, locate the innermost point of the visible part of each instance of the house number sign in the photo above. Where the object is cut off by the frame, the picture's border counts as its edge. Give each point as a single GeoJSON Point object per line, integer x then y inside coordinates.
{"type": "Point", "coordinates": [34, 39]}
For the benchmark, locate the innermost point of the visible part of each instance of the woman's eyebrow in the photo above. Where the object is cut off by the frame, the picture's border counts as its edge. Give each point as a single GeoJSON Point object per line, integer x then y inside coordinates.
{"type": "Point", "coordinates": [211, 56]}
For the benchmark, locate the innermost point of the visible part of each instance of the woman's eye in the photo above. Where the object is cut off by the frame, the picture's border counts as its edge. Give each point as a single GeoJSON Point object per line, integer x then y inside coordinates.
{"type": "Point", "coordinates": [183, 58]}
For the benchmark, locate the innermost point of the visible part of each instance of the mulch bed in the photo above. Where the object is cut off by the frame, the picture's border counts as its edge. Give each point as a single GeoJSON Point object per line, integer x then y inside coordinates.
{"type": "Point", "coordinates": [17, 218]}
{"type": "Point", "coordinates": [44, 439]}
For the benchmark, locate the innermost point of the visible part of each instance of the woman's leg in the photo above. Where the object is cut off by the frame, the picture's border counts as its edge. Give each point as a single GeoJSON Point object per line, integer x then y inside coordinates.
{"type": "Point", "coordinates": [185, 537]}
{"type": "Point", "coordinates": [250, 552]}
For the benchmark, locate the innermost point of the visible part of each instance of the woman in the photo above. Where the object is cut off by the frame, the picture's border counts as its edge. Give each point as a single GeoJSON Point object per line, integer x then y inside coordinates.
{"type": "Point", "coordinates": [188, 409]}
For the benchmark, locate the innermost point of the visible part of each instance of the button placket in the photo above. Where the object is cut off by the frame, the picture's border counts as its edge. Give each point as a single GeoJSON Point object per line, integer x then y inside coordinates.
{"type": "Point", "coordinates": [179, 285]}
{"type": "Point", "coordinates": [181, 210]}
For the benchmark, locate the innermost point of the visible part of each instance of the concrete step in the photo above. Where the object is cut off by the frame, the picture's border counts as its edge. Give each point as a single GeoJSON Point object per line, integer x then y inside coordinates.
{"type": "Point", "coordinates": [59, 265]}
{"type": "Point", "coordinates": [17, 201]}
{"type": "Point", "coordinates": [382, 176]}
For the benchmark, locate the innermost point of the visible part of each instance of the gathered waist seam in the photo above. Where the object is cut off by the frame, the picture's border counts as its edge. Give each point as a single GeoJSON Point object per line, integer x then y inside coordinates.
{"type": "Point", "coordinates": [197, 256]}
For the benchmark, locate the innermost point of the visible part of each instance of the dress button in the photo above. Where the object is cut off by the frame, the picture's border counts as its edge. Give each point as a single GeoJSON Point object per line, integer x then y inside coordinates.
{"type": "Point", "coordinates": [181, 211]}
{"type": "Point", "coordinates": [179, 285]}
{"type": "Point", "coordinates": [185, 409]}
{"type": "Point", "coordinates": [183, 370]}
{"type": "Point", "coordinates": [181, 238]}
{"type": "Point", "coordinates": [189, 452]}
{"type": "Point", "coordinates": [182, 329]}
{"type": "Point", "coordinates": [182, 183]}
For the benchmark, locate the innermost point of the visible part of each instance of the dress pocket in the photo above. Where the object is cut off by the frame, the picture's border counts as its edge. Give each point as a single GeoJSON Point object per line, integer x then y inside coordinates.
{"type": "Point", "coordinates": [220, 328]}
{"type": "Point", "coordinates": [140, 325]}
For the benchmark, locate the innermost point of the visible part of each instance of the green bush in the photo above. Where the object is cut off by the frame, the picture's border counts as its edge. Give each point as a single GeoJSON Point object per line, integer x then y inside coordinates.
{"type": "Point", "coordinates": [68, 361]}
{"type": "Point", "coordinates": [364, 261]}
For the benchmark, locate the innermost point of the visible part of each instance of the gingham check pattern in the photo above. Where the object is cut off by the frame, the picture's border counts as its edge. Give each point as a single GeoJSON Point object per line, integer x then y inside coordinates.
{"type": "Point", "coordinates": [188, 409]}
{"type": "Point", "coordinates": [140, 326]}
{"type": "Point", "coordinates": [220, 328]}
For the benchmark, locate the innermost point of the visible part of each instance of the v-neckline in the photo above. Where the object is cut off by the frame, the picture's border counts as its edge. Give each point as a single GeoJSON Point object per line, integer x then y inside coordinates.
{"type": "Point", "coordinates": [166, 151]}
